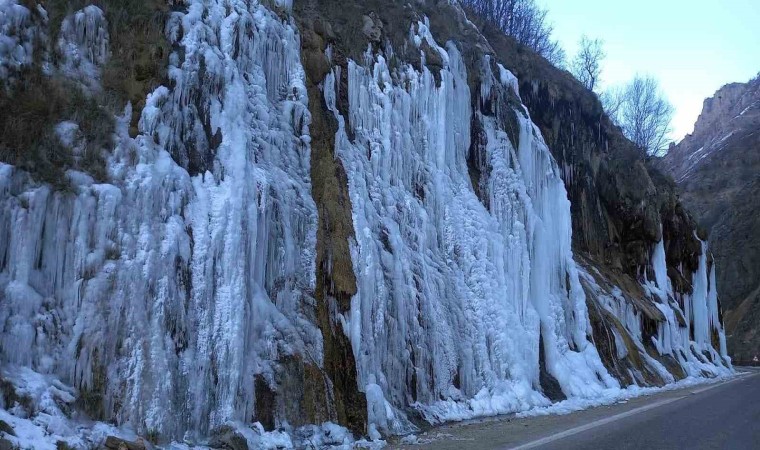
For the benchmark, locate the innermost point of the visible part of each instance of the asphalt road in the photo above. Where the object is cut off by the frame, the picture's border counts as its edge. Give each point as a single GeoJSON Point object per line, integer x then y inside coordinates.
{"type": "Point", "coordinates": [713, 416]}
{"type": "Point", "coordinates": [725, 417]}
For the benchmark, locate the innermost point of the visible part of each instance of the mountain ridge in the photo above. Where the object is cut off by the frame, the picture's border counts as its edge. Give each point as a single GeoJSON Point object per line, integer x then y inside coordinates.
{"type": "Point", "coordinates": [716, 169]}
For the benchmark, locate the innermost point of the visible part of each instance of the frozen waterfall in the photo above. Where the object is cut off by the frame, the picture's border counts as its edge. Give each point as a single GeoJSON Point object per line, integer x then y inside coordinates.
{"type": "Point", "coordinates": [452, 295]}
{"type": "Point", "coordinates": [163, 293]}
{"type": "Point", "coordinates": [691, 330]}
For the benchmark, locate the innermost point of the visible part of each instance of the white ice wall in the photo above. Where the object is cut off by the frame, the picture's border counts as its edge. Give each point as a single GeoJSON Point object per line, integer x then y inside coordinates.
{"type": "Point", "coordinates": [84, 45]}
{"type": "Point", "coordinates": [452, 296]}
{"type": "Point", "coordinates": [177, 289]}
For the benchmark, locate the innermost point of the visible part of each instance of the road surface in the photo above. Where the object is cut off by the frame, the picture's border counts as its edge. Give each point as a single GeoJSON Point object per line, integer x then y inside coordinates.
{"type": "Point", "coordinates": [724, 415]}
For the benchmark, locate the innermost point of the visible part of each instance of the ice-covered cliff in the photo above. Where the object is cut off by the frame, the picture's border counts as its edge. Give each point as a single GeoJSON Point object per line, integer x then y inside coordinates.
{"type": "Point", "coordinates": [320, 223]}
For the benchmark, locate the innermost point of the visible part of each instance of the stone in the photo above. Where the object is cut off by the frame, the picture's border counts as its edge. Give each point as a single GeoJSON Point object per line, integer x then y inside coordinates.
{"type": "Point", "coordinates": [6, 428]}
{"type": "Point", "coordinates": [225, 437]}
{"type": "Point", "coordinates": [115, 443]}
{"type": "Point", "coordinates": [372, 28]}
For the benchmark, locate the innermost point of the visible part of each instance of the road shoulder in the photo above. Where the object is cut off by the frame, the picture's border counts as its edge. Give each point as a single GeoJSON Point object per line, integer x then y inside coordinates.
{"type": "Point", "coordinates": [507, 432]}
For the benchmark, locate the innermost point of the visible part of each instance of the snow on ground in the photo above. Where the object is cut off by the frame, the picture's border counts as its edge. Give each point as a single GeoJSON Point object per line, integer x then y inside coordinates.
{"type": "Point", "coordinates": [43, 415]}
{"type": "Point", "coordinates": [619, 395]}
{"type": "Point", "coordinates": [49, 424]}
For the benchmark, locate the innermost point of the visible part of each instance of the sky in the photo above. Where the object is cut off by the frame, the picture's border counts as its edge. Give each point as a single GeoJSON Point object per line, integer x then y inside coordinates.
{"type": "Point", "coordinates": [693, 47]}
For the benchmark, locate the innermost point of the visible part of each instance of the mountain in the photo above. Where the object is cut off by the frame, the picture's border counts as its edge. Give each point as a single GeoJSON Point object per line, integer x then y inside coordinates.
{"type": "Point", "coordinates": [717, 168]}
{"type": "Point", "coordinates": [304, 223]}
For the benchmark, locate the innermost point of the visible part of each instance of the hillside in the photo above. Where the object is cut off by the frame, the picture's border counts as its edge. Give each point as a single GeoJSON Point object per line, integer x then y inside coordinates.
{"type": "Point", "coordinates": [717, 167]}
{"type": "Point", "coordinates": [326, 221]}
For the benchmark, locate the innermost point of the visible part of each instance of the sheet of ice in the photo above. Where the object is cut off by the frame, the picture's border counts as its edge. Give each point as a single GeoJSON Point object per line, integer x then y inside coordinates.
{"type": "Point", "coordinates": [692, 345]}
{"type": "Point", "coordinates": [659, 263]}
{"type": "Point", "coordinates": [507, 78]}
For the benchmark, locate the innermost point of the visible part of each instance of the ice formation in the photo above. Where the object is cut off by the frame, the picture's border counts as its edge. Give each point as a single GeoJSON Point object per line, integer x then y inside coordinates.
{"type": "Point", "coordinates": [176, 289]}
{"type": "Point", "coordinates": [453, 296]}
{"type": "Point", "coordinates": [691, 343]}
{"type": "Point", "coordinates": [169, 288]}
{"type": "Point", "coordinates": [454, 292]}
{"type": "Point", "coordinates": [84, 45]}
{"type": "Point", "coordinates": [17, 35]}
{"type": "Point", "coordinates": [691, 332]}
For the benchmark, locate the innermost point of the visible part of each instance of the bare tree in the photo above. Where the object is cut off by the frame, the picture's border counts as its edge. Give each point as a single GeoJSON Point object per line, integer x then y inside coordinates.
{"type": "Point", "coordinates": [612, 100]}
{"type": "Point", "coordinates": [643, 112]}
{"type": "Point", "coordinates": [587, 63]}
{"type": "Point", "coordinates": [525, 21]}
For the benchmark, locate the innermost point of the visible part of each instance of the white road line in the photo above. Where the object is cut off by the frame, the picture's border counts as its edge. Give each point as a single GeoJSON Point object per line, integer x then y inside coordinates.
{"type": "Point", "coordinates": [711, 386]}
{"type": "Point", "coordinates": [600, 422]}
{"type": "Point", "coordinates": [597, 423]}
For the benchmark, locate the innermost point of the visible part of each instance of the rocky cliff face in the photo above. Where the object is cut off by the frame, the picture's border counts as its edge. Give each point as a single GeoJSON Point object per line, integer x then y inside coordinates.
{"type": "Point", "coordinates": [332, 216]}
{"type": "Point", "coordinates": [716, 169]}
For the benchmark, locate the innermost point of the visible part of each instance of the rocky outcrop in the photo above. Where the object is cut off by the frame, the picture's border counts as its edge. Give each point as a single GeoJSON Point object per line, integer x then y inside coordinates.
{"type": "Point", "coordinates": [619, 200]}
{"type": "Point", "coordinates": [621, 204]}
{"type": "Point", "coordinates": [336, 283]}
{"type": "Point", "coordinates": [716, 170]}
{"type": "Point", "coordinates": [115, 443]}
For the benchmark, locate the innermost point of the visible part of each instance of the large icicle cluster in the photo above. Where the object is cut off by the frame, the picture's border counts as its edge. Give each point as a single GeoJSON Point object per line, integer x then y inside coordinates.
{"type": "Point", "coordinates": [453, 296]}
{"type": "Point", "coordinates": [687, 331]}
{"type": "Point", "coordinates": [692, 343]}
{"type": "Point", "coordinates": [163, 294]}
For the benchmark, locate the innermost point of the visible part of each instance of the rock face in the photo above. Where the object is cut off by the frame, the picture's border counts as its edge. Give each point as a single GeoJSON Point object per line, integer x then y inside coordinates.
{"type": "Point", "coordinates": [341, 215]}
{"type": "Point", "coordinates": [717, 169]}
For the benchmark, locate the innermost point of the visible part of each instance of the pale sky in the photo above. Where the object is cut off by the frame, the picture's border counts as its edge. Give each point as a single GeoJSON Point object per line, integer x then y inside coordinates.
{"type": "Point", "coordinates": [692, 47]}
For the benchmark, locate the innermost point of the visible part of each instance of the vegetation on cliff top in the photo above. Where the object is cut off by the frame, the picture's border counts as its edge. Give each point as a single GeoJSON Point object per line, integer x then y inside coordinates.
{"type": "Point", "coordinates": [40, 99]}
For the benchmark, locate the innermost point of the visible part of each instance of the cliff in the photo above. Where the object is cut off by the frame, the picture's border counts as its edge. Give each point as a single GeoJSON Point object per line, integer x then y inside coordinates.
{"type": "Point", "coordinates": [716, 170]}
{"type": "Point", "coordinates": [331, 219]}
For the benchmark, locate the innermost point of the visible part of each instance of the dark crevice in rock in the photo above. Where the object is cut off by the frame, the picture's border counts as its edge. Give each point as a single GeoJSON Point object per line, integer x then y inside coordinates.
{"type": "Point", "coordinates": [265, 403]}
{"type": "Point", "coordinates": [549, 385]}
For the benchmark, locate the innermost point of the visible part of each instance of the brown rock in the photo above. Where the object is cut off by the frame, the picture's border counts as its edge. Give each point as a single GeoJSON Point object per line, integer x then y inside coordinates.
{"type": "Point", "coordinates": [115, 443]}
{"type": "Point", "coordinates": [372, 27]}
{"type": "Point", "coordinates": [6, 428]}
{"type": "Point", "coordinates": [227, 438]}
{"type": "Point", "coordinates": [5, 444]}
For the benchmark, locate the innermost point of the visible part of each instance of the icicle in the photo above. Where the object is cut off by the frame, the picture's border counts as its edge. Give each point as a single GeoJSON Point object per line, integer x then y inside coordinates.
{"type": "Point", "coordinates": [169, 288]}
{"type": "Point", "coordinates": [175, 290]}
{"type": "Point", "coordinates": [700, 314]}
{"type": "Point", "coordinates": [452, 296]}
